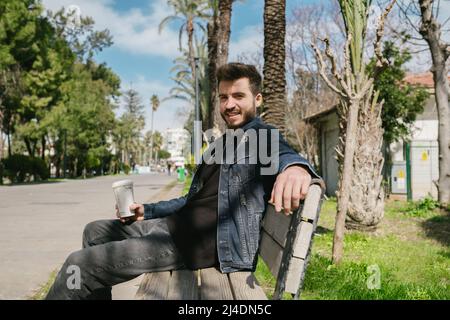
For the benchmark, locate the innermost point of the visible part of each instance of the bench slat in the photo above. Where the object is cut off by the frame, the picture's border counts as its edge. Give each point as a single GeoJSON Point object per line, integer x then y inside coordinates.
{"type": "Point", "coordinates": [183, 285]}
{"type": "Point", "coordinates": [154, 286]}
{"type": "Point", "coordinates": [311, 205]}
{"type": "Point", "coordinates": [271, 252]}
{"type": "Point", "coordinates": [294, 275]}
{"type": "Point", "coordinates": [214, 285]}
{"type": "Point", "coordinates": [276, 224]}
{"type": "Point", "coordinates": [245, 286]}
{"type": "Point", "coordinates": [303, 240]}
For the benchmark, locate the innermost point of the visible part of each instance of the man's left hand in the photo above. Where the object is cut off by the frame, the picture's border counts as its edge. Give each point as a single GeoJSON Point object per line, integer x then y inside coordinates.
{"type": "Point", "coordinates": [290, 187]}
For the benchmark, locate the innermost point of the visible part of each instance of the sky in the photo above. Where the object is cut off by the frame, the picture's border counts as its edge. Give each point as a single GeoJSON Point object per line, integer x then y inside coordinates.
{"type": "Point", "coordinates": [143, 57]}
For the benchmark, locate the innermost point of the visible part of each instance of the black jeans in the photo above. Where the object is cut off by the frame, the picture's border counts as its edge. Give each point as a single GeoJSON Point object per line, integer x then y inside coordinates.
{"type": "Point", "coordinates": [113, 253]}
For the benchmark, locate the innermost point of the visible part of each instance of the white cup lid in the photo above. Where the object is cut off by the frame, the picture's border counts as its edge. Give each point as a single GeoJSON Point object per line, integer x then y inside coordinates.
{"type": "Point", "coordinates": [122, 183]}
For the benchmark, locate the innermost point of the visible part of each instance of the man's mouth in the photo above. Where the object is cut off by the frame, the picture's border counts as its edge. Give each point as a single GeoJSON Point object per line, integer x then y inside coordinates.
{"type": "Point", "coordinates": [233, 115]}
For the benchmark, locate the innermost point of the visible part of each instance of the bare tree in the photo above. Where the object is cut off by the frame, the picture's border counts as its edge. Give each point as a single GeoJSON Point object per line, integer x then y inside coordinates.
{"type": "Point", "coordinates": [430, 29]}
{"type": "Point", "coordinates": [360, 196]}
{"type": "Point", "coordinates": [309, 93]}
{"type": "Point", "coordinates": [424, 29]}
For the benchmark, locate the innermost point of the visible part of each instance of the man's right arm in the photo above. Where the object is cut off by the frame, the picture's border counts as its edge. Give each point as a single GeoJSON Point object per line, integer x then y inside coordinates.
{"type": "Point", "coordinates": [163, 208]}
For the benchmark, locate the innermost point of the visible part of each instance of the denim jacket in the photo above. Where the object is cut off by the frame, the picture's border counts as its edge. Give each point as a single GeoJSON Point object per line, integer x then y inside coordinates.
{"type": "Point", "coordinates": [242, 199]}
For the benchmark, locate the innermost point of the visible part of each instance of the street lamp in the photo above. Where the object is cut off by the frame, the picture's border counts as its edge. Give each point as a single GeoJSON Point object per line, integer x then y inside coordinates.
{"type": "Point", "coordinates": [197, 123]}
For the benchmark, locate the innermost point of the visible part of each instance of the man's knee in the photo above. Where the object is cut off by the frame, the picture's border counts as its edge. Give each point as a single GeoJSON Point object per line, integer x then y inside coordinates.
{"type": "Point", "coordinates": [77, 258]}
{"type": "Point", "coordinates": [93, 230]}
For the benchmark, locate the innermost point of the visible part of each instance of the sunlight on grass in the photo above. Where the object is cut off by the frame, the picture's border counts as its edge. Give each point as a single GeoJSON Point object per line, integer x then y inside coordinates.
{"type": "Point", "coordinates": [41, 293]}
{"type": "Point", "coordinates": [413, 264]}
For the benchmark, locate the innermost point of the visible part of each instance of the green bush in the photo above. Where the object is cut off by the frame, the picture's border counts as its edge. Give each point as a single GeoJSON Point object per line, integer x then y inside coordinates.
{"type": "Point", "coordinates": [126, 168]}
{"type": "Point", "coordinates": [39, 169]}
{"type": "Point", "coordinates": [422, 207]}
{"type": "Point", "coordinates": [350, 280]}
{"type": "Point", "coordinates": [18, 167]}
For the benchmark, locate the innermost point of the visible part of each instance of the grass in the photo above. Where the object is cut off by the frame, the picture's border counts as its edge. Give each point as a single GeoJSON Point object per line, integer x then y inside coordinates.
{"type": "Point", "coordinates": [187, 184]}
{"type": "Point", "coordinates": [41, 293]}
{"type": "Point", "coordinates": [409, 252]}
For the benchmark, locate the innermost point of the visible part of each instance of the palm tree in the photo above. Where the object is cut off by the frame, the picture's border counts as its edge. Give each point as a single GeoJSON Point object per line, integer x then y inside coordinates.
{"type": "Point", "coordinates": [189, 12]}
{"type": "Point", "coordinates": [218, 43]}
{"type": "Point", "coordinates": [274, 83]}
{"type": "Point", "coordinates": [155, 104]}
{"type": "Point", "coordinates": [185, 83]}
{"type": "Point", "coordinates": [360, 195]}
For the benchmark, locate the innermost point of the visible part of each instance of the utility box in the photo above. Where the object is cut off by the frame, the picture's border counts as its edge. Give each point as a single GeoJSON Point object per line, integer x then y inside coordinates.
{"type": "Point", "coordinates": [424, 168]}
{"type": "Point", "coordinates": [398, 177]}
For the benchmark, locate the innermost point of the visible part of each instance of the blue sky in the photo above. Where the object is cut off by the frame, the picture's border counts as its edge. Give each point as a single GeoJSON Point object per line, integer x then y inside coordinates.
{"type": "Point", "coordinates": [142, 57]}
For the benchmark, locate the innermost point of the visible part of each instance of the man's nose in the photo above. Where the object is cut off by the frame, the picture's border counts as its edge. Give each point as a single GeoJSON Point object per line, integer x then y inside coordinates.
{"type": "Point", "coordinates": [230, 104]}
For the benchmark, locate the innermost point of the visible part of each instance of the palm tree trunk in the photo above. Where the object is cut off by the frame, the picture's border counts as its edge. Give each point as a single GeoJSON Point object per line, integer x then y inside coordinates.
{"type": "Point", "coordinates": [274, 83]}
{"type": "Point", "coordinates": [366, 196]}
{"type": "Point", "coordinates": [346, 168]}
{"type": "Point", "coordinates": [218, 43]}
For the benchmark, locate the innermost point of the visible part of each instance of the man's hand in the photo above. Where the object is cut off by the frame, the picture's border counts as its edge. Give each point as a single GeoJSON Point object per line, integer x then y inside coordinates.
{"type": "Point", "coordinates": [138, 213]}
{"type": "Point", "coordinates": [290, 187]}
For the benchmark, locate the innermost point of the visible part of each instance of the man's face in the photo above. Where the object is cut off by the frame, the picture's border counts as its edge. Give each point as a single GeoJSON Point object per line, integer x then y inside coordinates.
{"type": "Point", "coordinates": [237, 103]}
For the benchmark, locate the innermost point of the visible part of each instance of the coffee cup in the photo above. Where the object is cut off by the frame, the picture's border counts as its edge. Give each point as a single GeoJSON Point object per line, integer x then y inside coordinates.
{"type": "Point", "coordinates": [123, 191]}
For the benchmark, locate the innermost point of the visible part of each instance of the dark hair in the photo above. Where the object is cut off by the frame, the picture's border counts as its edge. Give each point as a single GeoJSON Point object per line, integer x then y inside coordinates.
{"type": "Point", "coordinates": [235, 70]}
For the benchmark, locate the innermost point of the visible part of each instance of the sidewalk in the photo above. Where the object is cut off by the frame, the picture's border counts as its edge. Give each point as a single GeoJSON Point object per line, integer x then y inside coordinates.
{"type": "Point", "coordinates": [127, 290]}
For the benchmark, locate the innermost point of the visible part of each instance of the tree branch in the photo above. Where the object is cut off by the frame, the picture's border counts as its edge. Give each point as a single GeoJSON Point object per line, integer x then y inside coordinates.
{"type": "Point", "coordinates": [381, 61]}
{"type": "Point", "coordinates": [334, 70]}
{"type": "Point", "coordinates": [321, 65]}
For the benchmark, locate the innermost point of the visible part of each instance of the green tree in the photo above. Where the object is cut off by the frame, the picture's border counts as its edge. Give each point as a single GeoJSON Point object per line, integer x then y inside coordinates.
{"type": "Point", "coordinates": [190, 13]}
{"type": "Point", "coordinates": [130, 125]}
{"type": "Point", "coordinates": [84, 122]}
{"type": "Point", "coordinates": [19, 22]}
{"type": "Point", "coordinates": [402, 102]}
{"type": "Point", "coordinates": [79, 32]}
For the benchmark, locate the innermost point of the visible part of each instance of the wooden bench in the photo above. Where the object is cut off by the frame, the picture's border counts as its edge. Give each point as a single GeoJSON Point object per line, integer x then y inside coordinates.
{"type": "Point", "coordinates": [285, 247]}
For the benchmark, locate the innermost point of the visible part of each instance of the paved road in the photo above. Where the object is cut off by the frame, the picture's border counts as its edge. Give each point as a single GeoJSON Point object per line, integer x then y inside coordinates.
{"type": "Point", "coordinates": [41, 224]}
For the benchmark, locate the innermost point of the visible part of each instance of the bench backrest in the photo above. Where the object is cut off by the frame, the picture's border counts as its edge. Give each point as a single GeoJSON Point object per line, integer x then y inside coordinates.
{"type": "Point", "coordinates": [286, 240]}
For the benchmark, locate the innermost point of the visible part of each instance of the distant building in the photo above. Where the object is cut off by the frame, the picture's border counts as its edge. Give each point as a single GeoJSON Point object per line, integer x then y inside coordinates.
{"type": "Point", "coordinates": [419, 170]}
{"type": "Point", "coordinates": [176, 142]}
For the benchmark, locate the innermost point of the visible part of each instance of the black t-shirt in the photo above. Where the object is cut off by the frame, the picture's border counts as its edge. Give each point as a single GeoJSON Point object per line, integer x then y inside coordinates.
{"type": "Point", "coordinates": [194, 228]}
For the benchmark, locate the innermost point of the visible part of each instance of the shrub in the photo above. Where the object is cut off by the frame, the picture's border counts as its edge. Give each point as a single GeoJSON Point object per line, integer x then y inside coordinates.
{"type": "Point", "coordinates": [422, 207]}
{"type": "Point", "coordinates": [17, 167]}
{"type": "Point", "coordinates": [126, 168]}
{"type": "Point", "coordinates": [39, 169]}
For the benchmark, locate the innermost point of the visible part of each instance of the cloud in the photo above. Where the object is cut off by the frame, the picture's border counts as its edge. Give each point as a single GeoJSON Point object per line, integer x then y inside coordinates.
{"type": "Point", "coordinates": [249, 40]}
{"type": "Point", "coordinates": [165, 116]}
{"type": "Point", "coordinates": [134, 31]}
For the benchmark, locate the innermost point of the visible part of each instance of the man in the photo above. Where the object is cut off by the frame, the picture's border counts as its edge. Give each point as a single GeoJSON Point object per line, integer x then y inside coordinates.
{"type": "Point", "coordinates": [216, 224]}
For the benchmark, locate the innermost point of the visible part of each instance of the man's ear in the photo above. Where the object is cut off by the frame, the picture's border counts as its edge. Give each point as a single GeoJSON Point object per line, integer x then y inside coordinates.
{"type": "Point", "coordinates": [258, 100]}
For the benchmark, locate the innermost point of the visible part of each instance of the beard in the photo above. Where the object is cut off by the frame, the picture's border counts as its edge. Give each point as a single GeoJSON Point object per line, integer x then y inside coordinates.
{"type": "Point", "coordinates": [240, 117]}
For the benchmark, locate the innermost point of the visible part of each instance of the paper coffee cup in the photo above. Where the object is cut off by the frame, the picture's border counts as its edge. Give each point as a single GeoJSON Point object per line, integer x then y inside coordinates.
{"type": "Point", "coordinates": [123, 191]}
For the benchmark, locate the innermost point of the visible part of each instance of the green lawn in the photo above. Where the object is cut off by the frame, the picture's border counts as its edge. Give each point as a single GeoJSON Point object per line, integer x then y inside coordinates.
{"type": "Point", "coordinates": [411, 251]}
